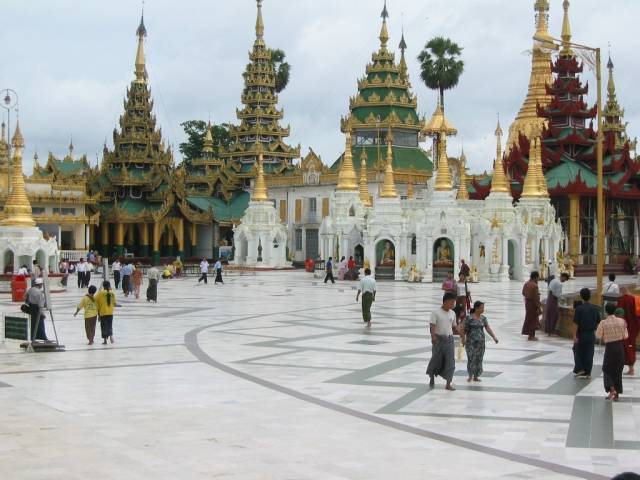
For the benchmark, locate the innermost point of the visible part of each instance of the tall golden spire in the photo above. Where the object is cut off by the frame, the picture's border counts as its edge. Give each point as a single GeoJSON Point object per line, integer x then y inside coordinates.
{"type": "Point", "coordinates": [613, 113]}
{"type": "Point", "coordinates": [141, 69]}
{"type": "Point", "coordinates": [208, 140]}
{"type": "Point", "coordinates": [389, 185]}
{"type": "Point", "coordinates": [499, 180]}
{"type": "Point", "coordinates": [535, 184]}
{"type": "Point", "coordinates": [384, 33]}
{"type": "Point", "coordinates": [566, 32]}
{"type": "Point", "coordinates": [259, 24]}
{"type": "Point", "coordinates": [463, 193]}
{"type": "Point", "coordinates": [527, 121]}
{"type": "Point", "coordinates": [402, 66]}
{"type": "Point", "coordinates": [443, 175]}
{"type": "Point", "coordinates": [4, 148]}
{"type": "Point", "coordinates": [347, 175]}
{"type": "Point", "coordinates": [17, 209]}
{"type": "Point", "coordinates": [260, 188]}
{"type": "Point", "coordinates": [364, 183]}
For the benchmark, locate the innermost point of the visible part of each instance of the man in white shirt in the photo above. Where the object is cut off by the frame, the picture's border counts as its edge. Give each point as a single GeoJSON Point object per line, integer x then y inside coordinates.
{"type": "Point", "coordinates": [368, 289]}
{"type": "Point", "coordinates": [611, 287]}
{"type": "Point", "coordinates": [551, 308]}
{"type": "Point", "coordinates": [441, 325]}
{"type": "Point", "coordinates": [81, 268]}
{"type": "Point", "coordinates": [204, 269]}
{"type": "Point", "coordinates": [116, 267]}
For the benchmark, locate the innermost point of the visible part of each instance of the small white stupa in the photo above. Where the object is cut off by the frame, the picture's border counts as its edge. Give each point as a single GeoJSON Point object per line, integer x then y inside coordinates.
{"type": "Point", "coordinates": [261, 239]}
{"type": "Point", "coordinates": [21, 241]}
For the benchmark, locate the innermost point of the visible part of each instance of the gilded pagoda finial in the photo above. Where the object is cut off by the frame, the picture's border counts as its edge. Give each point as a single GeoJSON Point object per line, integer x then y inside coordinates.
{"type": "Point", "coordinates": [141, 69]}
{"type": "Point", "coordinates": [535, 184]}
{"type": "Point", "coordinates": [208, 140]}
{"type": "Point", "coordinates": [499, 179]}
{"type": "Point", "coordinates": [402, 67]}
{"type": "Point", "coordinates": [347, 175]}
{"type": "Point", "coordinates": [542, 21]}
{"type": "Point", "coordinates": [566, 32]}
{"type": "Point", "coordinates": [389, 185]}
{"type": "Point", "coordinates": [259, 24]}
{"type": "Point", "coordinates": [384, 33]}
{"type": "Point", "coordinates": [364, 183]}
{"type": "Point", "coordinates": [463, 193]}
{"type": "Point", "coordinates": [17, 209]}
{"type": "Point", "coordinates": [260, 188]}
{"type": "Point", "coordinates": [443, 175]}
{"type": "Point", "coordinates": [71, 147]}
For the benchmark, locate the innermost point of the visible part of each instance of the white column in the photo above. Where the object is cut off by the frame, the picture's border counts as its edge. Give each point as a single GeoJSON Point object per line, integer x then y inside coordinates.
{"type": "Point", "coordinates": [428, 270]}
{"type": "Point", "coordinates": [59, 237]}
{"type": "Point", "coordinates": [86, 237]}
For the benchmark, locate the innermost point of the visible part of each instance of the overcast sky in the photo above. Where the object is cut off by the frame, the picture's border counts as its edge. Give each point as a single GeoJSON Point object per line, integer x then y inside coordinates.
{"type": "Point", "coordinates": [71, 61]}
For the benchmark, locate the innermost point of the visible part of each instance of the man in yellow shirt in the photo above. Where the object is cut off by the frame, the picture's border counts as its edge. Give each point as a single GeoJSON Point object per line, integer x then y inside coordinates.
{"type": "Point", "coordinates": [106, 302]}
{"type": "Point", "coordinates": [88, 304]}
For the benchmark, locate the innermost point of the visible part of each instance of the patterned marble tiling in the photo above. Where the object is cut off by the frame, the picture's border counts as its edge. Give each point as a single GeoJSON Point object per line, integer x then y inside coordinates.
{"type": "Point", "coordinates": [274, 376]}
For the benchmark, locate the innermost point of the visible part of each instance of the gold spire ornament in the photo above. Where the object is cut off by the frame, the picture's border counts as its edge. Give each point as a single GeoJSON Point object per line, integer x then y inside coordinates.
{"type": "Point", "coordinates": [566, 32]}
{"type": "Point", "coordinates": [141, 69]}
{"type": "Point", "coordinates": [389, 185]}
{"type": "Point", "coordinates": [259, 24]}
{"type": "Point", "coordinates": [260, 188]}
{"type": "Point", "coordinates": [402, 66]}
{"type": "Point", "coordinates": [527, 121]}
{"type": "Point", "coordinates": [499, 179]}
{"type": "Point", "coordinates": [535, 184]}
{"type": "Point", "coordinates": [384, 33]}
{"type": "Point", "coordinates": [439, 123]}
{"type": "Point", "coordinates": [17, 210]}
{"type": "Point", "coordinates": [443, 175]}
{"type": "Point", "coordinates": [463, 193]}
{"type": "Point", "coordinates": [364, 183]}
{"type": "Point", "coordinates": [208, 140]}
{"type": "Point", "coordinates": [347, 175]}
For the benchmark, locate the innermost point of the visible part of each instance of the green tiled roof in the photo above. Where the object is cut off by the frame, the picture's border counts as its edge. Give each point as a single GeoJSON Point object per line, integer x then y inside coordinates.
{"type": "Point", "coordinates": [131, 206]}
{"type": "Point", "coordinates": [223, 211]}
{"type": "Point", "coordinates": [403, 158]}
{"type": "Point", "coordinates": [567, 172]}
{"type": "Point", "coordinates": [363, 112]}
{"type": "Point", "coordinates": [69, 167]}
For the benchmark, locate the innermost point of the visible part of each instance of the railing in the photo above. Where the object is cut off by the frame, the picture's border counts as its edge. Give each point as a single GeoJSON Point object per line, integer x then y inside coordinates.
{"type": "Point", "coordinates": [72, 255]}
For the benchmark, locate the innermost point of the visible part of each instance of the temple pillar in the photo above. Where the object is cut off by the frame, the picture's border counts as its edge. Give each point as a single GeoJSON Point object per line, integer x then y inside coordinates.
{"type": "Point", "coordinates": [104, 240]}
{"type": "Point", "coordinates": [194, 239]}
{"type": "Point", "coordinates": [170, 234]}
{"type": "Point", "coordinates": [155, 253]}
{"type": "Point", "coordinates": [144, 240]}
{"type": "Point", "coordinates": [574, 226]}
{"type": "Point", "coordinates": [180, 237]}
{"type": "Point", "coordinates": [119, 238]}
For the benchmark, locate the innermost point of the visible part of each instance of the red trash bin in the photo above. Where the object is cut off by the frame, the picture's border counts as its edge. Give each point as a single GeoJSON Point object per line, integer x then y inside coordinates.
{"type": "Point", "coordinates": [18, 288]}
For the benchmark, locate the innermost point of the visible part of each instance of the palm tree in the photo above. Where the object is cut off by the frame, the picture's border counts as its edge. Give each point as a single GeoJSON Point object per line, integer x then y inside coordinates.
{"type": "Point", "coordinates": [282, 69]}
{"type": "Point", "coordinates": [440, 65]}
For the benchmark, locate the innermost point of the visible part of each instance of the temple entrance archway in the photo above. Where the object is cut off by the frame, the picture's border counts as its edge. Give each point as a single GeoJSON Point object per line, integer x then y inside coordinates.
{"type": "Point", "coordinates": [443, 256]}
{"type": "Point", "coordinates": [7, 261]}
{"type": "Point", "coordinates": [358, 254]}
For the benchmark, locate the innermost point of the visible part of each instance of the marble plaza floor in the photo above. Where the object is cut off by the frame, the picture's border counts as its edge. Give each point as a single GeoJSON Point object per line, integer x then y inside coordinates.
{"type": "Point", "coordinates": [273, 376]}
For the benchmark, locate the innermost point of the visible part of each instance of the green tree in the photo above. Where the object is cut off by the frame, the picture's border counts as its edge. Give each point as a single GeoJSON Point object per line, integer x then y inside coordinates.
{"type": "Point", "coordinates": [440, 65]}
{"type": "Point", "coordinates": [196, 130]}
{"type": "Point", "coordinates": [283, 69]}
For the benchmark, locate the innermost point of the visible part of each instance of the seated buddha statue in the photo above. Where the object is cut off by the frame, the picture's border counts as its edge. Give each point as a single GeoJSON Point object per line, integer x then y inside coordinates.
{"type": "Point", "coordinates": [443, 255]}
{"type": "Point", "coordinates": [388, 255]}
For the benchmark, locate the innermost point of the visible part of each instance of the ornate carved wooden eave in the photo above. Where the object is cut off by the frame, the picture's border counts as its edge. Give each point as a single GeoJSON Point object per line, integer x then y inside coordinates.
{"type": "Point", "coordinates": [164, 209]}
{"type": "Point", "coordinates": [567, 65]}
{"type": "Point", "coordinates": [194, 216]}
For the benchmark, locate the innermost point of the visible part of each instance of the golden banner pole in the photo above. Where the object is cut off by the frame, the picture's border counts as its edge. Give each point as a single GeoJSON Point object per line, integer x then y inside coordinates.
{"type": "Point", "coordinates": [600, 193]}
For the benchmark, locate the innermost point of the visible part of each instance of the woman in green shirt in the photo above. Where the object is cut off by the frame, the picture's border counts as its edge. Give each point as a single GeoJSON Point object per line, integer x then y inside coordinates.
{"type": "Point", "coordinates": [88, 304]}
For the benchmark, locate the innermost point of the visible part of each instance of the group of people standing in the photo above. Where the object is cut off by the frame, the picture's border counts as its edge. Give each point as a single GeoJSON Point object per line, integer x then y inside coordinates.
{"type": "Point", "coordinates": [618, 329]}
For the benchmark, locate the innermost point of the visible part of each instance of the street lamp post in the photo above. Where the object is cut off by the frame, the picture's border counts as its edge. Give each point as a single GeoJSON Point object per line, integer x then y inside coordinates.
{"type": "Point", "coordinates": [9, 102]}
{"type": "Point", "coordinates": [555, 44]}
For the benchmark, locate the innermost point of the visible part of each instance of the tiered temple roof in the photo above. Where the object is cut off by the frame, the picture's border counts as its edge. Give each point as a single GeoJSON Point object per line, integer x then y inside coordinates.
{"type": "Point", "coordinates": [569, 142]}
{"type": "Point", "coordinates": [385, 102]}
{"type": "Point", "coordinates": [260, 116]}
{"type": "Point", "coordinates": [135, 178]}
